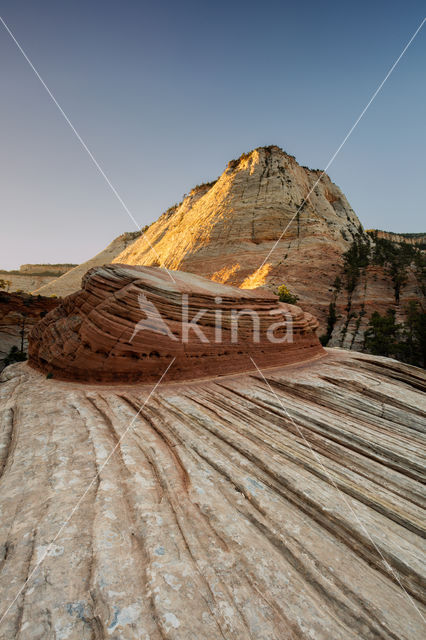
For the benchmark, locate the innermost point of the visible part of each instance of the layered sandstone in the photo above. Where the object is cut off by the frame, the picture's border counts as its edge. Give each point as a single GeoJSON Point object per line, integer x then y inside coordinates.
{"type": "Point", "coordinates": [268, 221]}
{"type": "Point", "coordinates": [418, 239]}
{"type": "Point", "coordinates": [46, 269]}
{"type": "Point", "coordinates": [225, 230]}
{"type": "Point", "coordinates": [280, 506]}
{"type": "Point", "coordinates": [128, 323]}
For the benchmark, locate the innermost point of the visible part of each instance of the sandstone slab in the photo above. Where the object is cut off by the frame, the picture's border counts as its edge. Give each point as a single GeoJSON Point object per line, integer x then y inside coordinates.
{"type": "Point", "coordinates": [245, 507]}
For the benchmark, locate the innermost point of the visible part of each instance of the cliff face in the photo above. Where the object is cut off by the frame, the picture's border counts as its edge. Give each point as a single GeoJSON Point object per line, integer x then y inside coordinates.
{"type": "Point", "coordinates": [235, 507]}
{"type": "Point", "coordinates": [42, 269]}
{"type": "Point", "coordinates": [373, 292]}
{"type": "Point", "coordinates": [417, 239]}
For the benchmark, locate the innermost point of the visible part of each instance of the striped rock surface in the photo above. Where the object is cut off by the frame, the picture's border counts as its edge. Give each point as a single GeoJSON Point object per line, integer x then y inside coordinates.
{"type": "Point", "coordinates": [127, 323]}
{"type": "Point", "coordinates": [277, 505]}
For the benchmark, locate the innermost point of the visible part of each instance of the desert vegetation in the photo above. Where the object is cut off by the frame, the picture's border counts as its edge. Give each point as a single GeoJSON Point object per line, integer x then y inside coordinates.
{"type": "Point", "coordinates": [396, 259]}
{"type": "Point", "coordinates": [332, 313]}
{"type": "Point", "coordinates": [5, 284]}
{"type": "Point", "coordinates": [14, 355]}
{"type": "Point", "coordinates": [285, 295]}
{"type": "Point", "coordinates": [384, 335]}
{"type": "Point", "coordinates": [203, 186]}
{"type": "Point", "coordinates": [405, 341]}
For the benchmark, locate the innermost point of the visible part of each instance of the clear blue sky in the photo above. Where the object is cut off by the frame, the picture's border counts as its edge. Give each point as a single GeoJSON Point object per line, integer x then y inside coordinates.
{"type": "Point", "coordinates": [165, 93]}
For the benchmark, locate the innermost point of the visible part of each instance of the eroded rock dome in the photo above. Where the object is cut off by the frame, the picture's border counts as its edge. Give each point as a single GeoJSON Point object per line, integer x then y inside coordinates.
{"type": "Point", "coordinates": [128, 323]}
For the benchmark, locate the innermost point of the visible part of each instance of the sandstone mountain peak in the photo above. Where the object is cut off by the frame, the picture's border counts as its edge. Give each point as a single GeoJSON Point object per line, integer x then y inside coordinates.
{"type": "Point", "coordinates": [265, 150]}
{"type": "Point", "coordinates": [234, 221]}
{"type": "Point", "coordinates": [266, 221]}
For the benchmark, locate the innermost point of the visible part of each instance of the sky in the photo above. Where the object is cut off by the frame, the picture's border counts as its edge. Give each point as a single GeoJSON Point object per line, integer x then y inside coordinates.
{"type": "Point", "coordinates": [165, 93]}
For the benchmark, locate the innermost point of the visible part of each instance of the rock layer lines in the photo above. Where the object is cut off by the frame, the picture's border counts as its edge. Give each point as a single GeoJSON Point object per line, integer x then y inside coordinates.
{"type": "Point", "coordinates": [232, 509]}
{"type": "Point", "coordinates": [128, 323]}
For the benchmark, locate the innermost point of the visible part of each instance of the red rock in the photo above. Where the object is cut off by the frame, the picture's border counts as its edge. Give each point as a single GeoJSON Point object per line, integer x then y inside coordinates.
{"type": "Point", "coordinates": [100, 333]}
{"type": "Point", "coordinates": [19, 312]}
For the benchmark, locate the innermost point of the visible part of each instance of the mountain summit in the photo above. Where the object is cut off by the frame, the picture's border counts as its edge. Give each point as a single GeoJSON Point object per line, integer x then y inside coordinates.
{"type": "Point", "coordinates": [268, 221]}
{"type": "Point", "coordinates": [225, 230]}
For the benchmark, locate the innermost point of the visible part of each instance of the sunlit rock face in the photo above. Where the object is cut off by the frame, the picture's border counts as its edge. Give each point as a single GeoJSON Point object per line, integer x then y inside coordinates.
{"type": "Point", "coordinates": [128, 323]}
{"type": "Point", "coordinates": [245, 507]}
{"type": "Point", "coordinates": [265, 221]}
{"type": "Point", "coordinates": [225, 230]}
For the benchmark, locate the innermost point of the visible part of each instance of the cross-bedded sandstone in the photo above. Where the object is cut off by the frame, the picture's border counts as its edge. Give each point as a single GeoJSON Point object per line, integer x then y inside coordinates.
{"type": "Point", "coordinates": [127, 323]}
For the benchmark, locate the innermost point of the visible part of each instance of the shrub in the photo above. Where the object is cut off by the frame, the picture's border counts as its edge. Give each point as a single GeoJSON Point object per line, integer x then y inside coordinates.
{"type": "Point", "coordinates": [5, 284]}
{"type": "Point", "coordinates": [331, 321]}
{"type": "Point", "coordinates": [406, 342]}
{"type": "Point", "coordinates": [285, 295]}
{"type": "Point", "coordinates": [14, 355]}
{"type": "Point", "coordinates": [337, 284]}
{"type": "Point", "coordinates": [414, 335]}
{"type": "Point", "coordinates": [381, 336]}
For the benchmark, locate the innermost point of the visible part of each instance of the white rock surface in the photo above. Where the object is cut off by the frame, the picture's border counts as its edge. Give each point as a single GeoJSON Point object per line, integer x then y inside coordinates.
{"type": "Point", "coordinates": [230, 508]}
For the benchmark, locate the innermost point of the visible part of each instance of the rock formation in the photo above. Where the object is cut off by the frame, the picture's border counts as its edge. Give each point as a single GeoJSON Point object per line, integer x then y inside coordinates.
{"type": "Point", "coordinates": [246, 507]}
{"type": "Point", "coordinates": [225, 230]}
{"type": "Point", "coordinates": [374, 292]}
{"type": "Point", "coordinates": [418, 239]}
{"type": "Point", "coordinates": [71, 281]}
{"type": "Point", "coordinates": [43, 269]}
{"type": "Point", "coordinates": [128, 322]}
{"type": "Point", "coordinates": [32, 276]}
{"type": "Point", "coordinates": [18, 314]}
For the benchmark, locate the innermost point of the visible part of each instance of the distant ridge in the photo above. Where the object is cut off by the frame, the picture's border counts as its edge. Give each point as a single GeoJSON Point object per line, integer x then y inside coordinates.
{"type": "Point", "coordinates": [71, 281]}
{"type": "Point", "coordinates": [408, 238]}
